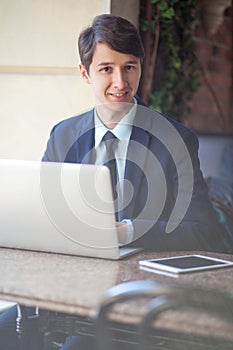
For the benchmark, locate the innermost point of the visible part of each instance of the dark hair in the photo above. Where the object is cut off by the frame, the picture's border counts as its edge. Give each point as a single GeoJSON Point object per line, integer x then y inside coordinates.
{"type": "Point", "coordinates": [118, 33]}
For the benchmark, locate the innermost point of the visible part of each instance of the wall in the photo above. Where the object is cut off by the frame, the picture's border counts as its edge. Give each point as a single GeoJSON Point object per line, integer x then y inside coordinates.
{"type": "Point", "coordinates": [128, 9]}
{"type": "Point", "coordinates": [212, 105]}
{"type": "Point", "coordinates": [39, 81]}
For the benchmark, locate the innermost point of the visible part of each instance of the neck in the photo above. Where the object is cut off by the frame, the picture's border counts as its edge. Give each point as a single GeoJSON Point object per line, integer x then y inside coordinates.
{"type": "Point", "coordinates": [111, 114]}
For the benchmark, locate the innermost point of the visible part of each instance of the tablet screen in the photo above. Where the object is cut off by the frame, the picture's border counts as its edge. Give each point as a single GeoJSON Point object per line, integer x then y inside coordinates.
{"type": "Point", "coordinates": [189, 262]}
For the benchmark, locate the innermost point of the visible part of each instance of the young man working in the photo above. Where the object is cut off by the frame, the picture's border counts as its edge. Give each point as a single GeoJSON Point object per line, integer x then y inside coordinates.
{"type": "Point", "coordinates": [161, 201]}
{"type": "Point", "coordinates": [159, 179]}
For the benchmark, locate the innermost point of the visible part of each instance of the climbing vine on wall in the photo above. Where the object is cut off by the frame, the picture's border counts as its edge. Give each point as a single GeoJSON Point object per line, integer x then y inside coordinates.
{"type": "Point", "coordinates": [170, 69]}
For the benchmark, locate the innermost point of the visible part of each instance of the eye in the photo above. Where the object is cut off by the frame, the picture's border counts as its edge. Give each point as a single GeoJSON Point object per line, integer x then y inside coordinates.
{"type": "Point", "coordinates": [106, 69]}
{"type": "Point", "coordinates": [129, 67]}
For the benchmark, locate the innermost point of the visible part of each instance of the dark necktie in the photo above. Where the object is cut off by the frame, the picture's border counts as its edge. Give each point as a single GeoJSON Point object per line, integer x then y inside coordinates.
{"type": "Point", "coordinates": [110, 139]}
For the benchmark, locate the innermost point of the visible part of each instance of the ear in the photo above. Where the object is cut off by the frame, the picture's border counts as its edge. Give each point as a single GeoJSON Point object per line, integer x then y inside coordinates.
{"type": "Point", "coordinates": [84, 74]}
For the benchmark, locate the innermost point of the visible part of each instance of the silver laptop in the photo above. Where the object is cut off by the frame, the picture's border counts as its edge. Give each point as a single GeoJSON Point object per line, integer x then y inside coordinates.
{"type": "Point", "coordinates": [59, 208]}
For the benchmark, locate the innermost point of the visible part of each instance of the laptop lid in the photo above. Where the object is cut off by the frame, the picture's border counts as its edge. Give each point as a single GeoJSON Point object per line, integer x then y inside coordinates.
{"type": "Point", "coordinates": [58, 207]}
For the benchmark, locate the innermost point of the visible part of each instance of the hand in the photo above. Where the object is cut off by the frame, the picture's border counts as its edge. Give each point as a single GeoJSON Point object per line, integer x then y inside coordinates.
{"type": "Point", "coordinates": [122, 232]}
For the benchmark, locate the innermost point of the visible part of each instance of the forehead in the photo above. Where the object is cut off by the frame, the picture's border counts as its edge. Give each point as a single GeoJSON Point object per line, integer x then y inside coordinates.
{"type": "Point", "coordinates": [103, 54]}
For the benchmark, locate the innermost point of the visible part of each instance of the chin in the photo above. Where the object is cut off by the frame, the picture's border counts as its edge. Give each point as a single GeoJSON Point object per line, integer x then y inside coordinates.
{"type": "Point", "coordinates": [119, 105]}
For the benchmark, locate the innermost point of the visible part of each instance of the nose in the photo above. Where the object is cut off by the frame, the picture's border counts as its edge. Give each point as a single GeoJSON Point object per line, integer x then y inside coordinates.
{"type": "Point", "coordinates": [119, 80]}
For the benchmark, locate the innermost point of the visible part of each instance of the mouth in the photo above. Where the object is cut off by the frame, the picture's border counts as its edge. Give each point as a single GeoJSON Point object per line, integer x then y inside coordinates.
{"type": "Point", "coordinates": [118, 94]}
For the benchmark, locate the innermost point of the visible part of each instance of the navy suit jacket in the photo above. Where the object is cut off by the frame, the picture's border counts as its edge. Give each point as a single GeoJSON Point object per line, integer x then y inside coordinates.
{"type": "Point", "coordinates": [163, 167]}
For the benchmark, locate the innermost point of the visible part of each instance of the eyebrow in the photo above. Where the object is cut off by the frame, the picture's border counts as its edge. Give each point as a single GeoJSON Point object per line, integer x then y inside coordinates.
{"type": "Point", "coordinates": [112, 63]}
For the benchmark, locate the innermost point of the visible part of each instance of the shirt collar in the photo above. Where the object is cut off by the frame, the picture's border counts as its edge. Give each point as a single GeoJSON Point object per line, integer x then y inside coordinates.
{"type": "Point", "coordinates": [122, 130]}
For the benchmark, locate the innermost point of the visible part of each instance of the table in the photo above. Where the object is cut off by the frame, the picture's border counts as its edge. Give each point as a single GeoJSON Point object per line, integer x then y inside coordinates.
{"type": "Point", "coordinates": [75, 285]}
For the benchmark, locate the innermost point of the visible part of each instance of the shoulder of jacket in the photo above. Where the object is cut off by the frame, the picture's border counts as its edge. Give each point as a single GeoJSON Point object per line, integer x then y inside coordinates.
{"type": "Point", "coordinates": [73, 122]}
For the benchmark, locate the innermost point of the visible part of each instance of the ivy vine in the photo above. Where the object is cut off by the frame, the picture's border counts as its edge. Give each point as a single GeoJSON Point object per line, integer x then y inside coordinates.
{"type": "Point", "coordinates": [170, 71]}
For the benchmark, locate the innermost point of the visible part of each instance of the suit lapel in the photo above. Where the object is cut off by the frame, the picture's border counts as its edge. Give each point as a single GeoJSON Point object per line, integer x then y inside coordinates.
{"type": "Point", "coordinates": [82, 150]}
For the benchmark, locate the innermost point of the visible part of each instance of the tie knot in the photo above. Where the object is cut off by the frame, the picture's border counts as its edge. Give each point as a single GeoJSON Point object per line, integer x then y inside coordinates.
{"type": "Point", "coordinates": [109, 136]}
{"type": "Point", "coordinates": [110, 141]}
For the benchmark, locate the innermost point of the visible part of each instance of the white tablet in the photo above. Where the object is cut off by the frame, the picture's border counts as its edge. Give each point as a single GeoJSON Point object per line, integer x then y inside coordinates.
{"type": "Point", "coordinates": [184, 264]}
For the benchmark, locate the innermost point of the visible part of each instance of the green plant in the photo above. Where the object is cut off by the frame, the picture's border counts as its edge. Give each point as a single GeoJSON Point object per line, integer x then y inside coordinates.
{"type": "Point", "coordinates": [170, 68]}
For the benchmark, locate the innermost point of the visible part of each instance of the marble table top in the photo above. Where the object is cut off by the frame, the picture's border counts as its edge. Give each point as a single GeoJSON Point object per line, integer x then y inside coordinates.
{"type": "Point", "coordinates": [75, 285]}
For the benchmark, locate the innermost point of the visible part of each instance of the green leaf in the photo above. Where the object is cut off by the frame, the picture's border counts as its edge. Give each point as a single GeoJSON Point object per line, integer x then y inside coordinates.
{"type": "Point", "coordinates": [163, 6]}
{"type": "Point", "coordinates": [169, 13]}
{"type": "Point", "coordinates": [145, 25]}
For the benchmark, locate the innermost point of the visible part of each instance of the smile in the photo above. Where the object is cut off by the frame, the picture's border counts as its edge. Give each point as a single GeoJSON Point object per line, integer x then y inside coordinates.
{"type": "Point", "coordinates": [119, 94]}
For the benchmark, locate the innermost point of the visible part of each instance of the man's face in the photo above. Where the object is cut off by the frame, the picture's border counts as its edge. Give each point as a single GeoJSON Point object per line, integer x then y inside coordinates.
{"type": "Point", "coordinates": [114, 76]}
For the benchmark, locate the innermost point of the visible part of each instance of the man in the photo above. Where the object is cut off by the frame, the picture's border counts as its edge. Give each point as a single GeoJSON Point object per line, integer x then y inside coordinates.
{"type": "Point", "coordinates": [162, 201]}
{"type": "Point", "coordinates": [155, 155]}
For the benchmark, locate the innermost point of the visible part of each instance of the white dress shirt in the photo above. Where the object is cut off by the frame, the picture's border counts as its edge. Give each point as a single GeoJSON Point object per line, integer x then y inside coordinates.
{"type": "Point", "coordinates": [123, 132]}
